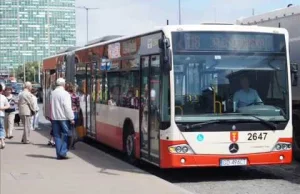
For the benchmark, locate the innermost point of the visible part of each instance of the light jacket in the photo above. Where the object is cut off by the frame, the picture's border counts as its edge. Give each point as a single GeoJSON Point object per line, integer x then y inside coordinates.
{"type": "Point", "coordinates": [26, 103]}
{"type": "Point", "coordinates": [61, 106]}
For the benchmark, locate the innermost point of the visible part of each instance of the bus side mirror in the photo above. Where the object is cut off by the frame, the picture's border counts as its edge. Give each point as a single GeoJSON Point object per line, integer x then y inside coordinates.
{"type": "Point", "coordinates": [166, 56]}
{"type": "Point", "coordinates": [294, 74]}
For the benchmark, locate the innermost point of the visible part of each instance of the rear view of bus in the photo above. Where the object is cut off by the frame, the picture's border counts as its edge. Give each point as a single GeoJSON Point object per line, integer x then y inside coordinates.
{"type": "Point", "coordinates": [230, 97]}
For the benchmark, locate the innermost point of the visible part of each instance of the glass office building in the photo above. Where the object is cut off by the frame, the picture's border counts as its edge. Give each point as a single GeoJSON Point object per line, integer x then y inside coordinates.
{"type": "Point", "coordinates": [31, 30]}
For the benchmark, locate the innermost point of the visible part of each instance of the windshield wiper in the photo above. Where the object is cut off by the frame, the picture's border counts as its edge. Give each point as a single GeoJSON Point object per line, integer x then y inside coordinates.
{"type": "Point", "coordinates": [199, 125]}
{"type": "Point", "coordinates": [270, 124]}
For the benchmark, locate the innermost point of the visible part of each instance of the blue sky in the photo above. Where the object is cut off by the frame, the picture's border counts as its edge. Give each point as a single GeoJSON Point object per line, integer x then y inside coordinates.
{"type": "Point", "coordinates": [128, 17]}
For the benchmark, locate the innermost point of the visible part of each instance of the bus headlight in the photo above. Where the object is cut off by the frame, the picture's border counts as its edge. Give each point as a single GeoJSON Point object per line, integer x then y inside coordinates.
{"type": "Point", "coordinates": [181, 149]}
{"type": "Point", "coordinates": [282, 146]}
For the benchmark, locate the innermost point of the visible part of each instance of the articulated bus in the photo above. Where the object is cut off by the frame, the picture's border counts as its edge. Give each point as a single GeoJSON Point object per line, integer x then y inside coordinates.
{"type": "Point", "coordinates": [60, 65]}
{"type": "Point", "coordinates": [190, 95]}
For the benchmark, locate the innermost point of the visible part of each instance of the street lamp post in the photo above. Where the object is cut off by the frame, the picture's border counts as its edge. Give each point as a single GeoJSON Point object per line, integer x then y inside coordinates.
{"type": "Point", "coordinates": [39, 73]}
{"type": "Point", "coordinates": [87, 19]}
{"type": "Point", "coordinates": [179, 14]}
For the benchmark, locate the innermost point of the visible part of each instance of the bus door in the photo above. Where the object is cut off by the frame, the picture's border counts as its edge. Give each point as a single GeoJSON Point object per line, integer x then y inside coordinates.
{"type": "Point", "coordinates": [150, 103]}
{"type": "Point", "coordinates": [90, 100]}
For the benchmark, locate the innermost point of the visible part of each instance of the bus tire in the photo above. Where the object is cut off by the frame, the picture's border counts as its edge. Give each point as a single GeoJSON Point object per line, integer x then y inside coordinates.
{"type": "Point", "coordinates": [296, 137]}
{"type": "Point", "coordinates": [129, 142]}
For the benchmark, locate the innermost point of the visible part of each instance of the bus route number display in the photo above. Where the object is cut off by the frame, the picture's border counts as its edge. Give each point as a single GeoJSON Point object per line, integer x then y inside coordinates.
{"type": "Point", "coordinates": [192, 41]}
{"type": "Point", "coordinates": [224, 41]}
{"type": "Point", "coordinates": [239, 43]}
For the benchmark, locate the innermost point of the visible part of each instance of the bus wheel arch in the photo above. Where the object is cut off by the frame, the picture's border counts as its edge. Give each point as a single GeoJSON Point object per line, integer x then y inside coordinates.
{"type": "Point", "coordinates": [296, 136]}
{"type": "Point", "coordinates": [129, 140]}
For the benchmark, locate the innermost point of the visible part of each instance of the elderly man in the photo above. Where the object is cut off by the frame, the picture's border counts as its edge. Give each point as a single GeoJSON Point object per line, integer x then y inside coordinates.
{"type": "Point", "coordinates": [26, 110]}
{"type": "Point", "coordinates": [62, 117]}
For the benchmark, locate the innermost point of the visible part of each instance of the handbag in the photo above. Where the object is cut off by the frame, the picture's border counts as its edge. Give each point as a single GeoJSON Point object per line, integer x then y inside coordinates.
{"type": "Point", "coordinates": [10, 110]}
{"type": "Point", "coordinates": [31, 111]}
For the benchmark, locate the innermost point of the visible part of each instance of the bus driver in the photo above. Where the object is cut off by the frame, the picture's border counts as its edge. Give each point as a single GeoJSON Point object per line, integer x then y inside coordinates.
{"type": "Point", "coordinates": [246, 96]}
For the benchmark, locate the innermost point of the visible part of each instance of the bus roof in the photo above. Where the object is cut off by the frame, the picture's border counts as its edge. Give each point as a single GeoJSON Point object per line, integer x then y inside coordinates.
{"type": "Point", "coordinates": [62, 52]}
{"type": "Point", "coordinates": [57, 55]}
{"type": "Point", "coordinates": [169, 28]}
{"type": "Point", "coordinates": [200, 27]}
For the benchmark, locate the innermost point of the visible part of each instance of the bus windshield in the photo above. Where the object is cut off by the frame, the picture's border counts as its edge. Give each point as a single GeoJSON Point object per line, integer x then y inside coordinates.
{"type": "Point", "coordinates": [230, 76]}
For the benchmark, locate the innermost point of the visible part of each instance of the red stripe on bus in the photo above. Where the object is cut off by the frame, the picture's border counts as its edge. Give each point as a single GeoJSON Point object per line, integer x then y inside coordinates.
{"type": "Point", "coordinates": [110, 135]}
{"type": "Point", "coordinates": [113, 136]}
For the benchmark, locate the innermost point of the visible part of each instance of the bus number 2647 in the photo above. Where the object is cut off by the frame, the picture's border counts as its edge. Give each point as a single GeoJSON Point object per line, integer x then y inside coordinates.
{"type": "Point", "coordinates": [257, 136]}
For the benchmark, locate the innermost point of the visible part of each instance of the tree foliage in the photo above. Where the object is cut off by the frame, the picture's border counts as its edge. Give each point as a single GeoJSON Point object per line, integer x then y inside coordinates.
{"type": "Point", "coordinates": [31, 70]}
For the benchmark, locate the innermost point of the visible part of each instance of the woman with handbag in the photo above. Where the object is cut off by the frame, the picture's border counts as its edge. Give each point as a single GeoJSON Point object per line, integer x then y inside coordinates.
{"type": "Point", "coordinates": [10, 113]}
{"type": "Point", "coordinates": [75, 107]}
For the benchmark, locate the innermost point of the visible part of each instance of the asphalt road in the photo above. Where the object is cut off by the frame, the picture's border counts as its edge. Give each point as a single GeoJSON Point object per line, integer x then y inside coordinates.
{"type": "Point", "coordinates": [231, 180]}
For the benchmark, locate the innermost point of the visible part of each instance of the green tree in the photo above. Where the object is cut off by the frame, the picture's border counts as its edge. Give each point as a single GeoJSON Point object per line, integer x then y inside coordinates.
{"type": "Point", "coordinates": [31, 70]}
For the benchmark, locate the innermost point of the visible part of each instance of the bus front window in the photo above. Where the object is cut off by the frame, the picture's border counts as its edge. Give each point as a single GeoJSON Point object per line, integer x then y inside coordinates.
{"type": "Point", "coordinates": [229, 84]}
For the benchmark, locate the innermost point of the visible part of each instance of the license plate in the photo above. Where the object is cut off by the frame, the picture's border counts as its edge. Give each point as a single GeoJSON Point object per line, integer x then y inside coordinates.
{"type": "Point", "coordinates": [233, 162]}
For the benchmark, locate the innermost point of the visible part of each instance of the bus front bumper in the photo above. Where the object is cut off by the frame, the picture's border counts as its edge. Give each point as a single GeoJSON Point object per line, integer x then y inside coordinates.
{"type": "Point", "coordinates": [169, 160]}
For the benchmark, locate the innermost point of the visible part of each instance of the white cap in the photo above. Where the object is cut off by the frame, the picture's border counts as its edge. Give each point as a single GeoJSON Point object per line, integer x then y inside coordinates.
{"type": "Point", "coordinates": [60, 81]}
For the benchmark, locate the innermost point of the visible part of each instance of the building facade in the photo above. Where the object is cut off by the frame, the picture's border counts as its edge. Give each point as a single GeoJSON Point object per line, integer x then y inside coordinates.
{"type": "Point", "coordinates": [31, 30]}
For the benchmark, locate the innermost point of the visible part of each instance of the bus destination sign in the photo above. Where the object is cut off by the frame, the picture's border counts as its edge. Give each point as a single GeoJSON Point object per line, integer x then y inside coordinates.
{"type": "Point", "coordinates": [227, 41]}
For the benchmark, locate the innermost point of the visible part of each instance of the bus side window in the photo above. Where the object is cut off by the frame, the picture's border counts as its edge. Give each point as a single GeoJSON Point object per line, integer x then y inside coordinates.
{"type": "Point", "coordinates": [113, 87]}
{"type": "Point", "coordinates": [129, 83]}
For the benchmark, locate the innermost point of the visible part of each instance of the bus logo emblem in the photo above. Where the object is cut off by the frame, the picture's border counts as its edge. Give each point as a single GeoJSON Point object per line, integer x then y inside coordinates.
{"type": "Point", "coordinates": [233, 148]}
{"type": "Point", "coordinates": [234, 136]}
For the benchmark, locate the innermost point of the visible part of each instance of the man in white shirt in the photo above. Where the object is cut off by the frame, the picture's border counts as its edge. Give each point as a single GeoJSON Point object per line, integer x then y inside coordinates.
{"type": "Point", "coordinates": [3, 106]}
{"type": "Point", "coordinates": [62, 117]}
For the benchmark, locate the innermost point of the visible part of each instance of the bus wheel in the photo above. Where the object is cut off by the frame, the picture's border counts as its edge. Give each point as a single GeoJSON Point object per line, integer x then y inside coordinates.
{"type": "Point", "coordinates": [129, 145]}
{"type": "Point", "coordinates": [296, 137]}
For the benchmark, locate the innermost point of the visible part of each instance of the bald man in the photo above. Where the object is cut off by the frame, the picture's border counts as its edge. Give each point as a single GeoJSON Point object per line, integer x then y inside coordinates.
{"type": "Point", "coordinates": [62, 117]}
{"type": "Point", "coordinates": [27, 109]}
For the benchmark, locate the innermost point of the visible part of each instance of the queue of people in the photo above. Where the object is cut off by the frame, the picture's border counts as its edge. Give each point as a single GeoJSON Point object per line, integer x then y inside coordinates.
{"type": "Point", "coordinates": [26, 103]}
{"type": "Point", "coordinates": [8, 106]}
{"type": "Point", "coordinates": [65, 106]}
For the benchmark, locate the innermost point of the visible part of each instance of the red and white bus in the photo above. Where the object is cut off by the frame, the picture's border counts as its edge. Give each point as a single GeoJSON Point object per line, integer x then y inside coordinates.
{"type": "Point", "coordinates": [172, 97]}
